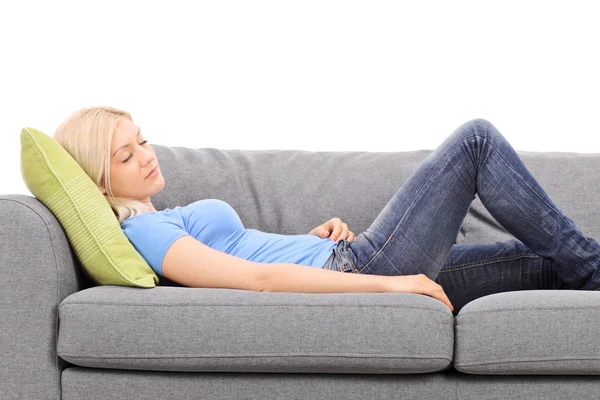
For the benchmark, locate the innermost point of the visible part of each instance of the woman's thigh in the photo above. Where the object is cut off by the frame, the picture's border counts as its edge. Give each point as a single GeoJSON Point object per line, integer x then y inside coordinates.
{"type": "Point", "coordinates": [416, 229]}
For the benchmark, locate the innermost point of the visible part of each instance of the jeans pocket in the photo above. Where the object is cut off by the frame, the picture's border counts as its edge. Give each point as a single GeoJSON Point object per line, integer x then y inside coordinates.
{"type": "Point", "coordinates": [345, 266]}
{"type": "Point", "coordinates": [341, 260]}
{"type": "Point", "coordinates": [346, 261]}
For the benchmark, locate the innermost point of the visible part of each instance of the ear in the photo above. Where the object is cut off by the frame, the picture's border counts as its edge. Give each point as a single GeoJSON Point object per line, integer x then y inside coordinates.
{"type": "Point", "coordinates": [101, 187]}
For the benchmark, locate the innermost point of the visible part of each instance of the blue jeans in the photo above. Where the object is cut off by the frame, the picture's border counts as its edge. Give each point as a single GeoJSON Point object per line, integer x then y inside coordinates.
{"type": "Point", "coordinates": [415, 233]}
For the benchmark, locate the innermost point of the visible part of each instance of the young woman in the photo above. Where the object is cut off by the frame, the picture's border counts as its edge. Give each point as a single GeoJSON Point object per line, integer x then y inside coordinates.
{"type": "Point", "coordinates": [409, 247]}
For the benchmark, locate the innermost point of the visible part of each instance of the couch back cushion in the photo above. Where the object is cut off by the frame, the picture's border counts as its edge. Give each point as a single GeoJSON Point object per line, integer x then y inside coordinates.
{"type": "Point", "coordinates": [293, 191]}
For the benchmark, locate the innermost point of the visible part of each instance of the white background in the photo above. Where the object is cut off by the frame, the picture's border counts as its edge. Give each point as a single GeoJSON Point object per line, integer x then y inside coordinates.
{"type": "Point", "coordinates": [311, 75]}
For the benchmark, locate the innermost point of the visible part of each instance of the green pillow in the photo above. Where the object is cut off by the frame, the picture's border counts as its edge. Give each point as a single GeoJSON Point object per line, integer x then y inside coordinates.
{"type": "Point", "coordinates": [95, 235]}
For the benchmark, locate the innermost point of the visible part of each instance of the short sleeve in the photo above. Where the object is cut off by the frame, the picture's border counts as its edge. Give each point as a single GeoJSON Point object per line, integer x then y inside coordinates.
{"type": "Point", "coordinates": [152, 236]}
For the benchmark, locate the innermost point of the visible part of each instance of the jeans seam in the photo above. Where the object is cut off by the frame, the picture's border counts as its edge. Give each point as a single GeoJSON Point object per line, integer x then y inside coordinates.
{"type": "Point", "coordinates": [340, 266]}
{"type": "Point", "coordinates": [549, 206]}
{"type": "Point", "coordinates": [344, 263]}
{"type": "Point", "coordinates": [413, 202]}
{"type": "Point", "coordinates": [487, 261]}
{"type": "Point", "coordinates": [423, 186]}
{"type": "Point", "coordinates": [349, 256]}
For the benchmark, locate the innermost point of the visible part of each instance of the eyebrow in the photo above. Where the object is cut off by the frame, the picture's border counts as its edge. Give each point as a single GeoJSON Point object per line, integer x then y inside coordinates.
{"type": "Point", "coordinates": [138, 134]}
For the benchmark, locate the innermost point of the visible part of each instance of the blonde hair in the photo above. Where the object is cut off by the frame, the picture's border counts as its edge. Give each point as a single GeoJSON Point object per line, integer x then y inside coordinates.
{"type": "Point", "coordinates": [87, 136]}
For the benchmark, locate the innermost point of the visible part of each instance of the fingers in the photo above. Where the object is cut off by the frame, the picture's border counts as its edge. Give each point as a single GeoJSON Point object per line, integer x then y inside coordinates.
{"type": "Point", "coordinates": [437, 291]}
{"type": "Point", "coordinates": [446, 300]}
{"type": "Point", "coordinates": [443, 298]}
{"type": "Point", "coordinates": [340, 231]}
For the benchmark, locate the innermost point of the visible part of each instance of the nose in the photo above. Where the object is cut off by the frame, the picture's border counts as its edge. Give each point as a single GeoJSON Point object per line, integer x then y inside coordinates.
{"type": "Point", "coordinates": [149, 157]}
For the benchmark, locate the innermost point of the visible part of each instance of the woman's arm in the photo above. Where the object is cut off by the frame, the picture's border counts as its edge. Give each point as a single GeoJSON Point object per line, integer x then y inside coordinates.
{"type": "Point", "coordinates": [285, 277]}
{"type": "Point", "coordinates": [192, 263]}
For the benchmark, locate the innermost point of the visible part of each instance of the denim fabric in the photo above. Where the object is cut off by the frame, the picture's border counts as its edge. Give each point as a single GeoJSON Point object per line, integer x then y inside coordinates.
{"type": "Point", "coordinates": [340, 260]}
{"type": "Point", "coordinates": [415, 233]}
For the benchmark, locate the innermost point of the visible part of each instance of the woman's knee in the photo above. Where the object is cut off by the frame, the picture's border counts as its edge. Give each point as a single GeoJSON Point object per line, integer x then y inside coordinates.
{"type": "Point", "coordinates": [477, 127]}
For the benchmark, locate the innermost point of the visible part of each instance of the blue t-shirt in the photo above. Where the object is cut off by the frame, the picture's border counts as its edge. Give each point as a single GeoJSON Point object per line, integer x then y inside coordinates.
{"type": "Point", "coordinates": [216, 224]}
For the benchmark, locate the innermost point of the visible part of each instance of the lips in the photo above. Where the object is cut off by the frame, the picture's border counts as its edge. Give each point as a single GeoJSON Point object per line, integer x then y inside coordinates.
{"type": "Point", "coordinates": [155, 168]}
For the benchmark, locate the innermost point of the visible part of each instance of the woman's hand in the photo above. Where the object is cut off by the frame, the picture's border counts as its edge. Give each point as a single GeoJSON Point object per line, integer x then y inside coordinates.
{"type": "Point", "coordinates": [334, 227]}
{"type": "Point", "coordinates": [420, 284]}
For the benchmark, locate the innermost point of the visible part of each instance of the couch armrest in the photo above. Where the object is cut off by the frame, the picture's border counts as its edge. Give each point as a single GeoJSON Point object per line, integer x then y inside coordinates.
{"type": "Point", "coordinates": [38, 270]}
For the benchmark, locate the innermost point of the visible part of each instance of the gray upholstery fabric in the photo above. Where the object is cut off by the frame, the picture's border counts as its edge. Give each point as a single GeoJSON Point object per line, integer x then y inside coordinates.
{"type": "Point", "coordinates": [294, 336]}
{"type": "Point", "coordinates": [286, 191]}
{"type": "Point", "coordinates": [38, 271]}
{"type": "Point", "coordinates": [214, 330]}
{"type": "Point", "coordinates": [98, 384]}
{"type": "Point", "coordinates": [541, 332]}
{"type": "Point", "coordinates": [292, 191]}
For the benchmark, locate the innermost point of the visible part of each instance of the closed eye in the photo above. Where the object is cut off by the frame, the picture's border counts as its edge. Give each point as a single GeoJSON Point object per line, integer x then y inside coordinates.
{"type": "Point", "coordinates": [141, 144]}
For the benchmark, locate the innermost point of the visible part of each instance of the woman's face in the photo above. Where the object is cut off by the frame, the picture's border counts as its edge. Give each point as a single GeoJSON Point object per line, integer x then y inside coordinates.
{"type": "Point", "coordinates": [132, 159]}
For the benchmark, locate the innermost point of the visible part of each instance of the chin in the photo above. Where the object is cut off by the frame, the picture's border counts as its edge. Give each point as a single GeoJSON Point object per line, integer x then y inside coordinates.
{"type": "Point", "coordinates": [161, 185]}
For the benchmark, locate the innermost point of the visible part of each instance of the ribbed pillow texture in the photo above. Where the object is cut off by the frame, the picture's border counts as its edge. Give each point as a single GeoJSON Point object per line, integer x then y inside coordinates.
{"type": "Point", "coordinates": [92, 228]}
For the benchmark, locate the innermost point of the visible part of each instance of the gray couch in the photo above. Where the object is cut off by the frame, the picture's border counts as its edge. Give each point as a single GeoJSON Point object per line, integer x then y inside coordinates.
{"type": "Point", "coordinates": [64, 337]}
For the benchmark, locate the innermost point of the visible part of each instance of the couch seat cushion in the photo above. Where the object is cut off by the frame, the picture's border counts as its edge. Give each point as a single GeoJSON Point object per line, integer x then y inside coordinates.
{"type": "Point", "coordinates": [211, 330]}
{"type": "Point", "coordinates": [547, 332]}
